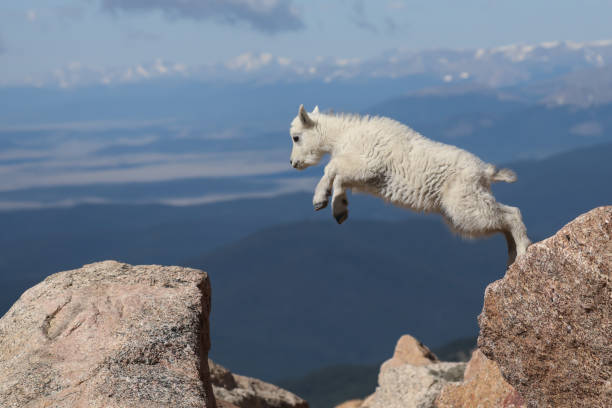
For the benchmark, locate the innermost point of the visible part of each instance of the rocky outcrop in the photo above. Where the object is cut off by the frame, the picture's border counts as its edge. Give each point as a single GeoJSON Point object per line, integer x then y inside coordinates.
{"type": "Point", "coordinates": [246, 392]}
{"type": "Point", "coordinates": [483, 386]}
{"type": "Point", "coordinates": [411, 386]}
{"type": "Point", "coordinates": [109, 335]}
{"type": "Point", "coordinates": [409, 351]}
{"type": "Point", "coordinates": [547, 324]}
{"type": "Point", "coordinates": [416, 382]}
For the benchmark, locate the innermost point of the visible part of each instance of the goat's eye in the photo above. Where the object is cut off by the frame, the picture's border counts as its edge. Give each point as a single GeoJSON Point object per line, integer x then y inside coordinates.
{"type": "Point", "coordinates": [296, 138]}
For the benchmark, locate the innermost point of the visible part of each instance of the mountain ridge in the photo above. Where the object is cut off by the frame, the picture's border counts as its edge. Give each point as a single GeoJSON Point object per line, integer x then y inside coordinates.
{"type": "Point", "coordinates": [495, 66]}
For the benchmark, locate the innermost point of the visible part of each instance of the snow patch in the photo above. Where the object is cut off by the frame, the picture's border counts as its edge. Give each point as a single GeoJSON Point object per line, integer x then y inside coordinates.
{"type": "Point", "coordinates": [142, 72]}
{"type": "Point", "coordinates": [514, 52]}
{"type": "Point", "coordinates": [343, 62]}
{"type": "Point", "coordinates": [550, 44]}
{"type": "Point", "coordinates": [160, 67]}
{"type": "Point", "coordinates": [249, 62]}
{"type": "Point", "coordinates": [283, 61]}
{"type": "Point", "coordinates": [574, 46]}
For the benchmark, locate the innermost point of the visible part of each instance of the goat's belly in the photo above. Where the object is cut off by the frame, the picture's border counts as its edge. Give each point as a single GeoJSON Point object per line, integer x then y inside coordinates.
{"type": "Point", "coordinates": [402, 195]}
{"type": "Point", "coordinates": [410, 198]}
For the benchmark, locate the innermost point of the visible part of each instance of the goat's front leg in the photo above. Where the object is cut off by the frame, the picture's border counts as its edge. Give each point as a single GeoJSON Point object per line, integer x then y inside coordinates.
{"type": "Point", "coordinates": [339, 201]}
{"type": "Point", "coordinates": [340, 173]}
{"type": "Point", "coordinates": [323, 189]}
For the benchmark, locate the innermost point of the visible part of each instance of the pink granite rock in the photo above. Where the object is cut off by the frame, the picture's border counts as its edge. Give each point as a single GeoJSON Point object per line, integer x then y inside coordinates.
{"type": "Point", "coordinates": [109, 335]}
{"type": "Point", "coordinates": [483, 386]}
{"type": "Point", "coordinates": [409, 350]}
{"type": "Point", "coordinates": [247, 392]}
{"type": "Point", "coordinates": [548, 323]}
{"type": "Point", "coordinates": [413, 378]}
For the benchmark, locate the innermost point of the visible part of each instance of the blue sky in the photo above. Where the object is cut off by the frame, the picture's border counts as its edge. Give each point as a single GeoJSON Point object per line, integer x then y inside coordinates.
{"type": "Point", "coordinates": [40, 36]}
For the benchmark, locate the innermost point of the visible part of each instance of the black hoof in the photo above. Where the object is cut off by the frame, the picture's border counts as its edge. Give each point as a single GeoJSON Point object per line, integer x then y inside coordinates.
{"type": "Point", "coordinates": [340, 218]}
{"type": "Point", "coordinates": [320, 206]}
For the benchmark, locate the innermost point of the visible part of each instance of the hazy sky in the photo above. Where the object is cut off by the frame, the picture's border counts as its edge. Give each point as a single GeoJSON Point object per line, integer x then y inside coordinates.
{"type": "Point", "coordinates": [39, 36]}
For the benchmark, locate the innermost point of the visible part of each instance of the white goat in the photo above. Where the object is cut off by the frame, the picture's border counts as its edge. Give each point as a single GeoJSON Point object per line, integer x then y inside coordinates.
{"type": "Point", "coordinates": [383, 157]}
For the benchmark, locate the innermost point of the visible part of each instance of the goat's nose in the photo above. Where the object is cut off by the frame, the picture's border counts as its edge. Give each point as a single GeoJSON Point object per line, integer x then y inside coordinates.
{"type": "Point", "coordinates": [291, 162]}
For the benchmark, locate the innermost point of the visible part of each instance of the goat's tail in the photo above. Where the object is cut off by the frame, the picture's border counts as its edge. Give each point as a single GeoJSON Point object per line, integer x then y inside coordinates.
{"type": "Point", "coordinates": [494, 174]}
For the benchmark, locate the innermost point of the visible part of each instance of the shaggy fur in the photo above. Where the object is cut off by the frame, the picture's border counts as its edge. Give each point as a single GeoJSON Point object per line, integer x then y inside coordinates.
{"type": "Point", "coordinates": [385, 158]}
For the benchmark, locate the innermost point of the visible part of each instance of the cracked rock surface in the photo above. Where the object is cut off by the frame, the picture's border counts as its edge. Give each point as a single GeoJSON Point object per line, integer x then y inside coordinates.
{"type": "Point", "coordinates": [548, 323]}
{"type": "Point", "coordinates": [109, 335]}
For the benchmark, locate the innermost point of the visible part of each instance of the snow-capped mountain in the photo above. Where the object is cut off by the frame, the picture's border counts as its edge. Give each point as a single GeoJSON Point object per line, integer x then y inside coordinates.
{"type": "Point", "coordinates": [495, 67]}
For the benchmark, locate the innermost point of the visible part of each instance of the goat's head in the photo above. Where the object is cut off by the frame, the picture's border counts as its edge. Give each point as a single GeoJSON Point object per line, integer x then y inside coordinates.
{"type": "Point", "coordinates": [307, 142]}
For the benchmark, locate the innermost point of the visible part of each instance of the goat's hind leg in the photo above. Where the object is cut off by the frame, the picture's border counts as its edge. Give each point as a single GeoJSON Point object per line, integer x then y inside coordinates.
{"type": "Point", "coordinates": [482, 215]}
{"type": "Point", "coordinates": [514, 231]}
{"type": "Point", "coordinates": [511, 247]}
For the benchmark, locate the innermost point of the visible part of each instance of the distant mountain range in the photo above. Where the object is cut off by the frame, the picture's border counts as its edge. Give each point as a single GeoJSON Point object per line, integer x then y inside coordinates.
{"type": "Point", "coordinates": [244, 94]}
{"type": "Point", "coordinates": [495, 67]}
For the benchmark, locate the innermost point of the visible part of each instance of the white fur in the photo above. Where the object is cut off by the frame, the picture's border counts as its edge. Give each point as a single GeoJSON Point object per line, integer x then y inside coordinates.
{"type": "Point", "coordinates": [385, 158]}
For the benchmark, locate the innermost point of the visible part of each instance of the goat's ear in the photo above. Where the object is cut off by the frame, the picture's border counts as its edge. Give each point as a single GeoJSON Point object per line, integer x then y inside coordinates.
{"type": "Point", "coordinates": [304, 118]}
{"type": "Point", "coordinates": [316, 109]}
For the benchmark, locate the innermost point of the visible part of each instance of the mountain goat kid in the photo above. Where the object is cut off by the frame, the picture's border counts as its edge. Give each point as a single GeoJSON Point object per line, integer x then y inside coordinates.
{"type": "Point", "coordinates": [385, 158]}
